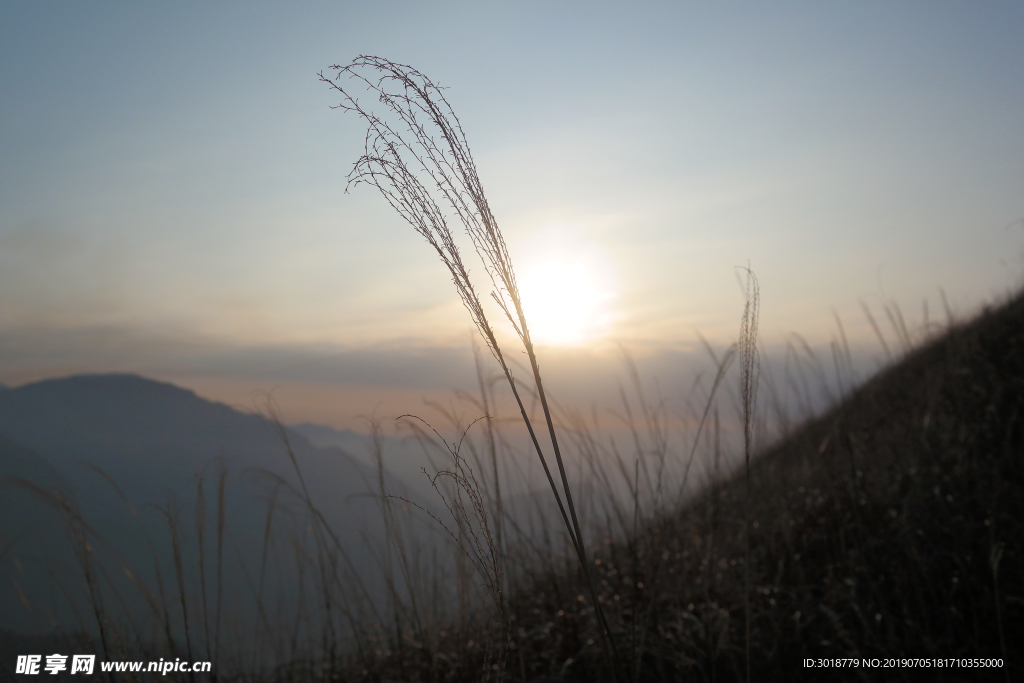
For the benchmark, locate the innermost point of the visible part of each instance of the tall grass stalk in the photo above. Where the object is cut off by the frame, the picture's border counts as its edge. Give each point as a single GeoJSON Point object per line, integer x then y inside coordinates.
{"type": "Point", "coordinates": [342, 587]}
{"type": "Point", "coordinates": [449, 167]}
{"type": "Point", "coordinates": [750, 371]}
{"type": "Point", "coordinates": [222, 477]}
{"type": "Point", "coordinates": [171, 515]}
{"type": "Point", "coordinates": [201, 547]}
{"type": "Point", "coordinates": [492, 452]}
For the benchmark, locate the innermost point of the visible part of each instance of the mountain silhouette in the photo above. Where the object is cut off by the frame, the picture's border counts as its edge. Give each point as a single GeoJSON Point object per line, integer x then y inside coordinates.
{"type": "Point", "coordinates": [137, 461]}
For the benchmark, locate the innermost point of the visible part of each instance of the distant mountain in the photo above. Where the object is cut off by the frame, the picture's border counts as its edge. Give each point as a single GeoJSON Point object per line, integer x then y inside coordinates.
{"type": "Point", "coordinates": [132, 454]}
{"type": "Point", "coordinates": [403, 456]}
{"type": "Point", "coordinates": [141, 429]}
{"type": "Point", "coordinates": [151, 434]}
{"type": "Point", "coordinates": [322, 436]}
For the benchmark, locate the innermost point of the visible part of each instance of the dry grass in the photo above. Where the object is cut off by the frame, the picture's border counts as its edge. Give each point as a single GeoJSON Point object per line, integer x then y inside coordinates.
{"type": "Point", "coordinates": [890, 526]}
{"type": "Point", "coordinates": [390, 164]}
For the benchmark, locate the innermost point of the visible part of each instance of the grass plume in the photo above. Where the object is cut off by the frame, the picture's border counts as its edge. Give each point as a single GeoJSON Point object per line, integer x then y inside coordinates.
{"type": "Point", "coordinates": [422, 110]}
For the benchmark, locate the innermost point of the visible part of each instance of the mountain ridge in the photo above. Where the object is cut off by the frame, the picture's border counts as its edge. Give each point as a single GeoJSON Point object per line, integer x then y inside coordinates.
{"type": "Point", "coordinates": [133, 454]}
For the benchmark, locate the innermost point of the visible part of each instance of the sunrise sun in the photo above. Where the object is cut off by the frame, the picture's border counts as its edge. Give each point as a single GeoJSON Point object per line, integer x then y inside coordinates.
{"type": "Point", "coordinates": [566, 302]}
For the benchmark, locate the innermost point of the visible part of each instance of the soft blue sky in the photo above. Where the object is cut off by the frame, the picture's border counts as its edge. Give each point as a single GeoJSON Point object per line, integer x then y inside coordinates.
{"type": "Point", "coordinates": [171, 186]}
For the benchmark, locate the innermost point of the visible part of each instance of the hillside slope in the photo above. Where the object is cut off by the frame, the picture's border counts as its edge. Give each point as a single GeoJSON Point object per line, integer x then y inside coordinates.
{"type": "Point", "coordinates": [879, 530]}
{"type": "Point", "coordinates": [890, 527]}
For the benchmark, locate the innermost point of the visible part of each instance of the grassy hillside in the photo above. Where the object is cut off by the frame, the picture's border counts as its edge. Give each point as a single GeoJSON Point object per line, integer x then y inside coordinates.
{"type": "Point", "coordinates": [891, 527]}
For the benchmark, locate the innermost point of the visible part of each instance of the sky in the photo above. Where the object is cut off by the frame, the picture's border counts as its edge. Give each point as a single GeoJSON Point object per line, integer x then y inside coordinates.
{"type": "Point", "coordinates": [173, 176]}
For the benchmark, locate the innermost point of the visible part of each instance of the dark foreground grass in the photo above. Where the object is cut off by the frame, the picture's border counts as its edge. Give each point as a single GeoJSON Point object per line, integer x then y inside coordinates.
{"type": "Point", "coordinates": [890, 528]}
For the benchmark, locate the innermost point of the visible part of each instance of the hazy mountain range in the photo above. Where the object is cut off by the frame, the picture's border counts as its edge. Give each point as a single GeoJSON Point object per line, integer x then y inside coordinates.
{"type": "Point", "coordinates": [138, 461]}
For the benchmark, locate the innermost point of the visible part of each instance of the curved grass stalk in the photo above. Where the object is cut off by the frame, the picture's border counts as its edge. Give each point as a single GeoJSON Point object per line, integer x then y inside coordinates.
{"type": "Point", "coordinates": [423, 112]}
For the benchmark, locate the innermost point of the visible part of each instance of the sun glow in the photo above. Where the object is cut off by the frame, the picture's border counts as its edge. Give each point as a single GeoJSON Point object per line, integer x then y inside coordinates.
{"type": "Point", "coordinates": [566, 303]}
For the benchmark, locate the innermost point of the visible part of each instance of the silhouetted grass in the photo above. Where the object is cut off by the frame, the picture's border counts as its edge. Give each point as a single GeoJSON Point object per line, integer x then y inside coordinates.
{"type": "Point", "coordinates": [426, 137]}
{"type": "Point", "coordinates": [888, 527]}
